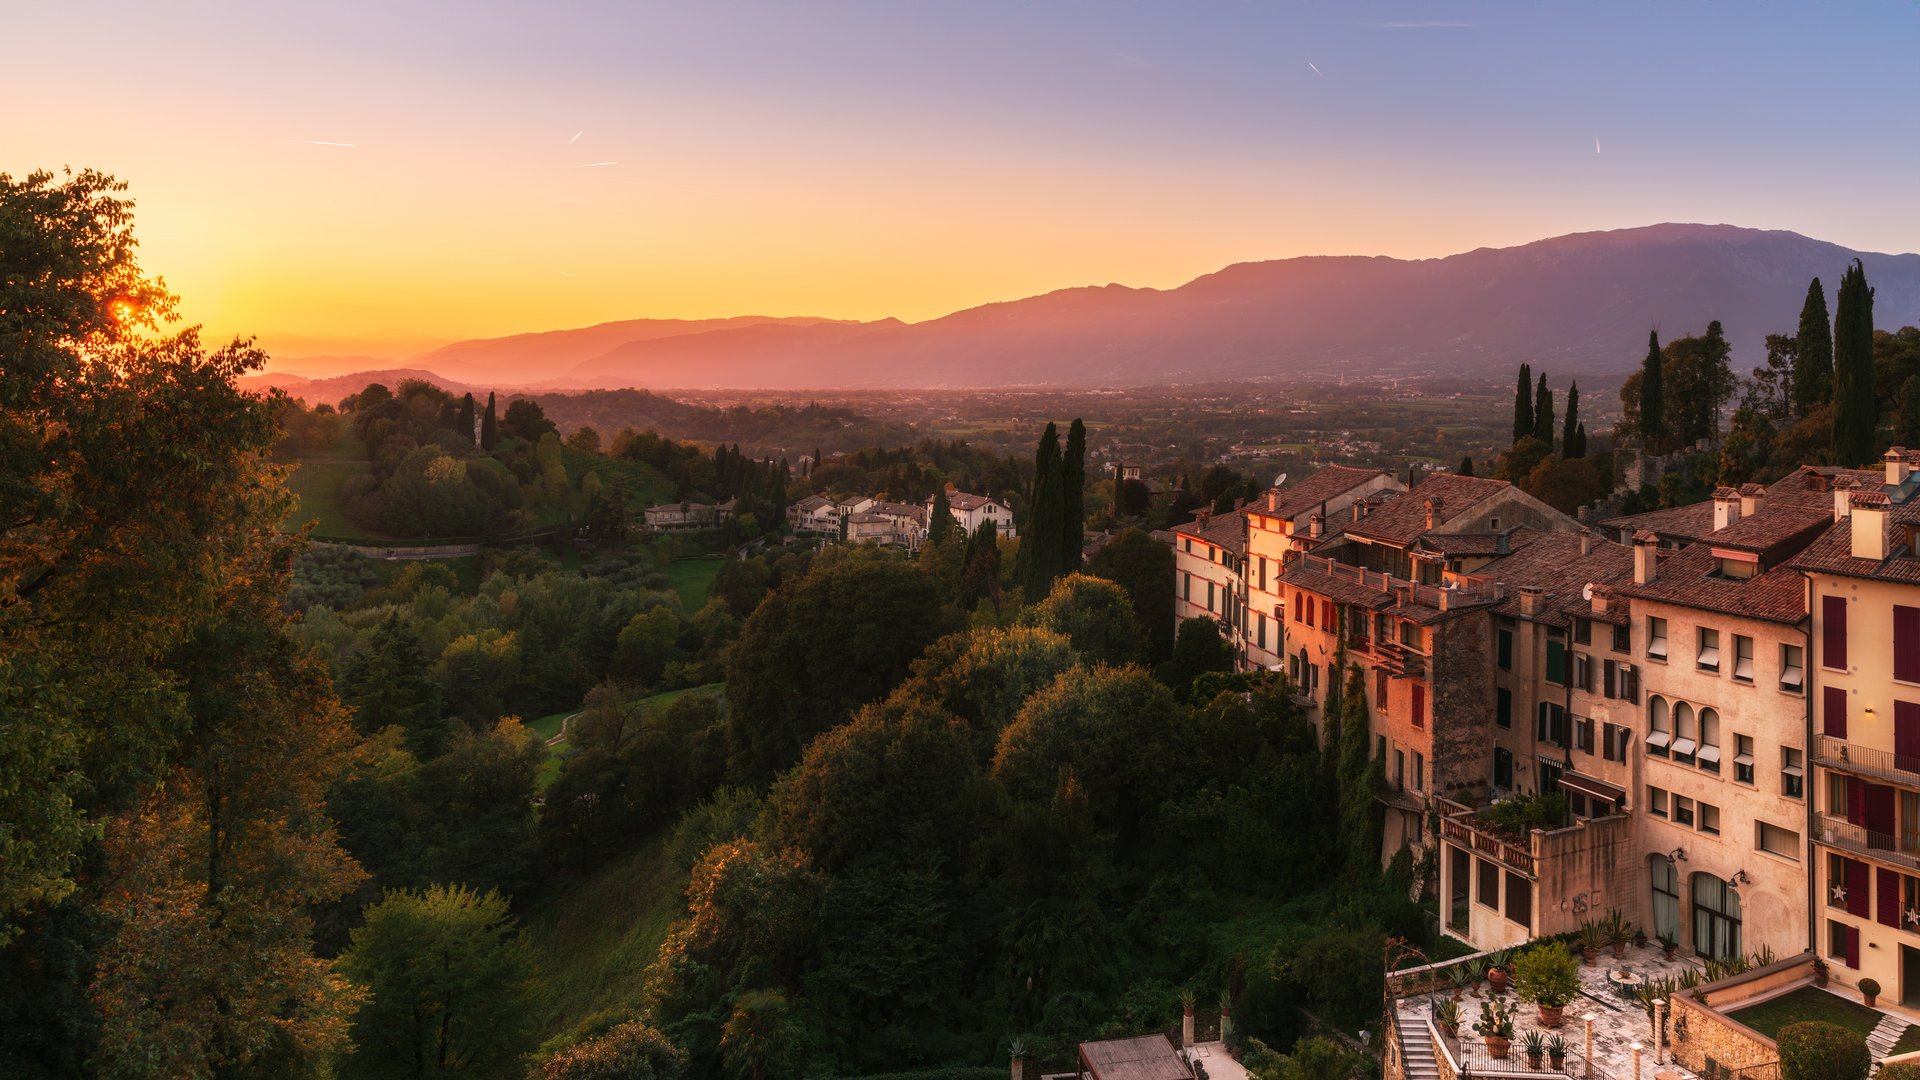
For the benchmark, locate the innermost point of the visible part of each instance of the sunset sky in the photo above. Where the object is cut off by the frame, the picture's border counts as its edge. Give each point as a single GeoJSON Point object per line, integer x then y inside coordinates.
{"type": "Point", "coordinates": [908, 158]}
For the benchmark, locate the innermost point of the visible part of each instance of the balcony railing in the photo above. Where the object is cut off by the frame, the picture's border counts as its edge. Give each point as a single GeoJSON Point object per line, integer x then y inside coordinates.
{"type": "Point", "coordinates": [1903, 769]}
{"type": "Point", "coordinates": [1433, 596]}
{"type": "Point", "coordinates": [1885, 847]}
{"type": "Point", "coordinates": [1461, 831]}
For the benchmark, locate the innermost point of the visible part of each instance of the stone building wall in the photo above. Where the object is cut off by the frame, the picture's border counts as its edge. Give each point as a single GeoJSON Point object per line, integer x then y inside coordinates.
{"type": "Point", "coordinates": [1462, 714]}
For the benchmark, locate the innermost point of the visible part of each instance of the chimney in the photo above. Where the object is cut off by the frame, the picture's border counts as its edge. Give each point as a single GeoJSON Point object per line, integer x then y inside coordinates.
{"type": "Point", "coordinates": [1599, 595]}
{"type": "Point", "coordinates": [1273, 499]}
{"type": "Point", "coordinates": [1870, 524]}
{"type": "Point", "coordinates": [1203, 516]}
{"type": "Point", "coordinates": [1751, 496]}
{"type": "Point", "coordinates": [1842, 491]}
{"type": "Point", "coordinates": [1433, 511]}
{"type": "Point", "coordinates": [1726, 507]}
{"type": "Point", "coordinates": [1586, 542]}
{"type": "Point", "coordinates": [1316, 525]}
{"type": "Point", "coordinates": [1896, 462]}
{"type": "Point", "coordinates": [1531, 597]}
{"type": "Point", "coordinates": [1646, 556]}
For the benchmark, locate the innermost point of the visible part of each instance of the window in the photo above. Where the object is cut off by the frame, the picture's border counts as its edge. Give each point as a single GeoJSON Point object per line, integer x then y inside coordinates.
{"type": "Point", "coordinates": [1582, 671]}
{"type": "Point", "coordinates": [1833, 632]}
{"type": "Point", "coordinates": [1656, 638]}
{"type": "Point", "coordinates": [1489, 891]}
{"type": "Point", "coordinates": [1709, 819]}
{"type": "Point", "coordinates": [1326, 614]}
{"type": "Point", "coordinates": [1380, 689]}
{"type": "Point", "coordinates": [1709, 740]}
{"type": "Point", "coordinates": [1743, 758]}
{"type": "Point", "coordinates": [1419, 704]}
{"type": "Point", "coordinates": [1503, 706]}
{"type": "Point", "coordinates": [1906, 643]}
{"type": "Point", "coordinates": [1419, 771]}
{"type": "Point", "coordinates": [1552, 725]}
{"type": "Point", "coordinates": [1582, 631]}
{"type": "Point", "coordinates": [1792, 775]}
{"type": "Point", "coordinates": [1556, 662]}
{"type": "Point", "coordinates": [1622, 639]}
{"type": "Point", "coordinates": [1400, 768]}
{"type": "Point", "coordinates": [1260, 620]}
{"type": "Point", "coordinates": [1186, 588]}
{"type": "Point", "coordinates": [1793, 668]}
{"type": "Point", "coordinates": [1583, 734]}
{"type": "Point", "coordinates": [1743, 658]}
{"type": "Point", "coordinates": [1707, 658]}
{"type": "Point", "coordinates": [1682, 810]}
{"type": "Point", "coordinates": [1613, 742]}
{"type": "Point", "coordinates": [1833, 711]}
{"type": "Point", "coordinates": [1209, 596]}
{"type": "Point", "coordinates": [1519, 899]}
{"type": "Point", "coordinates": [1659, 727]}
{"type": "Point", "coordinates": [1313, 610]}
{"type": "Point", "coordinates": [1656, 801]}
{"type": "Point", "coordinates": [1716, 918]}
{"type": "Point", "coordinates": [1684, 732]}
{"type": "Point", "coordinates": [1502, 767]}
{"type": "Point", "coordinates": [1775, 840]}
{"type": "Point", "coordinates": [1189, 542]}
{"type": "Point", "coordinates": [1504, 649]}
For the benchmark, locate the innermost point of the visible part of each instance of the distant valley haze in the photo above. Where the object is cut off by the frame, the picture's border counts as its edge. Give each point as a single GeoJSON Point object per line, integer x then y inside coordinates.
{"type": "Point", "coordinates": [1579, 304]}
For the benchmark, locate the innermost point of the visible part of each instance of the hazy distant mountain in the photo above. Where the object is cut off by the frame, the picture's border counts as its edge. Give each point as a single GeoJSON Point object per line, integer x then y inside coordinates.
{"type": "Point", "coordinates": [1575, 305]}
{"type": "Point", "coordinates": [332, 388]}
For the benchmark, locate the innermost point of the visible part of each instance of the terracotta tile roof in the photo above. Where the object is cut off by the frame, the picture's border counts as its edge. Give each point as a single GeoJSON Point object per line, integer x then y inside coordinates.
{"type": "Point", "coordinates": [1401, 521]}
{"type": "Point", "coordinates": [1552, 562]}
{"type": "Point", "coordinates": [1681, 523]}
{"type": "Point", "coordinates": [1468, 543]}
{"type": "Point", "coordinates": [1689, 578]}
{"type": "Point", "coordinates": [960, 500]}
{"type": "Point", "coordinates": [1773, 533]}
{"type": "Point", "coordinates": [1149, 1057]}
{"type": "Point", "coordinates": [1808, 488]}
{"type": "Point", "coordinates": [1832, 553]}
{"type": "Point", "coordinates": [1301, 575]}
{"type": "Point", "coordinates": [1307, 495]}
{"type": "Point", "coordinates": [1228, 531]}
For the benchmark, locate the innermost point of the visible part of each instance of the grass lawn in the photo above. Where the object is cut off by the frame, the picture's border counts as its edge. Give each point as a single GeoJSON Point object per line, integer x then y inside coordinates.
{"type": "Point", "coordinates": [692, 578]}
{"type": "Point", "coordinates": [1807, 1003]}
{"type": "Point", "coordinates": [594, 939]}
{"type": "Point", "coordinates": [317, 486]}
{"type": "Point", "coordinates": [1908, 1042]}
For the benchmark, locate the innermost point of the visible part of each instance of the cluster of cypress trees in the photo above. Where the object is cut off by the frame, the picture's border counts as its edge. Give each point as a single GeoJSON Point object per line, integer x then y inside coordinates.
{"type": "Point", "coordinates": [1056, 512]}
{"type": "Point", "coordinates": [1533, 415]}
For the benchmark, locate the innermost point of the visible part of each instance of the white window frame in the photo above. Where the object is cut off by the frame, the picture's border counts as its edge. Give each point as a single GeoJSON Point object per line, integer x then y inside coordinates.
{"type": "Point", "coordinates": [1656, 638]}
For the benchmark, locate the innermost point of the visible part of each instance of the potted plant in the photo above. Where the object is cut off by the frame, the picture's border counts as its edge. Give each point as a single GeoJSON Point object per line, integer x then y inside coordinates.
{"type": "Point", "coordinates": [1496, 1026]}
{"type": "Point", "coordinates": [1446, 1016]}
{"type": "Point", "coordinates": [1535, 1046]}
{"type": "Point", "coordinates": [1819, 972]}
{"type": "Point", "coordinates": [1187, 998]}
{"type": "Point", "coordinates": [1458, 976]}
{"type": "Point", "coordinates": [1869, 989]}
{"type": "Point", "coordinates": [1669, 945]}
{"type": "Point", "coordinates": [1547, 976]}
{"type": "Point", "coordinates": [1640, 937]}
{"type": "Point", "coordinates": [1017, 1050]}
{"type": "Point", "coordinates": [1619, 932]}
{"type": "Point", "coordinates": [1497, 978]}
{"type": "Point", "coordinates": [1476, 971]}
{"type": "Point", "coordinates": [1226, 1014]}
{"type": "Point", "coordinates": [1593, 938]}
{"type": "Point", "coordinates": [1557, 1052]}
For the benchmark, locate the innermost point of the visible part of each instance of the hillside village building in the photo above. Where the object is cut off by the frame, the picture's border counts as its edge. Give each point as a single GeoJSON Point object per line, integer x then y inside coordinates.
{"type": "Point", "coordinates": [1727, 694]}
{"type": "Point", "coordinates": [972, 511]}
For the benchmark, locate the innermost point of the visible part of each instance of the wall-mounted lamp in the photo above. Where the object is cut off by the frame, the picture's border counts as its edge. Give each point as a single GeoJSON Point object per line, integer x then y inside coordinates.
{"type": "Point", "coordinates": [1678, 854]}
{"type": "Point", "coordinates": [1740, 878]}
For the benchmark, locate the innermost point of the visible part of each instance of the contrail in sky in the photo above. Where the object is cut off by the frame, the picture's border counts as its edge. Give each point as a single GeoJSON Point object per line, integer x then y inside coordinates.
{"type": "Point", "coordinates": [597, 164]}
{"type": "Point", "coordinates": [323, 142]}
{"type": "Point", "coordinates": [1316, 70]}
{"type": "Point", "coordinates": [576, 137]}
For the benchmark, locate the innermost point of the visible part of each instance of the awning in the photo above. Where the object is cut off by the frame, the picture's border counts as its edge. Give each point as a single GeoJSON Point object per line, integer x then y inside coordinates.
{"type": "Point", "coordinates": [1593, 789]}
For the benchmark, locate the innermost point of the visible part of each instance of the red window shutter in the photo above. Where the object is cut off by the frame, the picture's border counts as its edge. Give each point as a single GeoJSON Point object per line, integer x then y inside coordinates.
{"type": "Point", "coordinates": [1853, 946]}
{"type": "Point", "coordinates": [1856, 801]}
{"type": "Point", "coordinates": [1906, 643]}
{"type": "Point", "coordinates": [1419, 705]}
{"type": "Point", "coordinates": [1857, 883]}
{"type": "Point", "coordinates": [1906, 735]}
{"type": "Point", "coordinates": [1887, 905]}
{"type": "Point", "coordinates": [1326, 614]}
{"type": "Point", "coordinates": [1833, 632]}
{"type": "Point", "coordinates": [1296, 606]}
{"type": "Point", "coordinates": [1833, 712]}
{"type": "Point", "coordinates": [1880, 809]}
{"type": "Point", "coordinates": [1313, 609]}
{"type": "Point", "coordinates": [1380, 689]}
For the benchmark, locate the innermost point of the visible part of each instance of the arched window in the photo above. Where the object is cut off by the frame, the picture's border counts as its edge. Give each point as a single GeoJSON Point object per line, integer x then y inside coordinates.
{"type": "Point", "coordinates": [1659, 727]}
{"type": "Point", "coordinates": [1716, 917]}
{"type": "Point", "coordinates": [1685, 734]}
{"type": "Point", "coordinates": [1710, 740]}
{"type": "Point", "coordinates": [1666, 897]}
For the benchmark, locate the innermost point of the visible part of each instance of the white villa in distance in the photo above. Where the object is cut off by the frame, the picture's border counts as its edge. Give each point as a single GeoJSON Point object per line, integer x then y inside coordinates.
{"type": "Point", "coordinates": [971, 511]}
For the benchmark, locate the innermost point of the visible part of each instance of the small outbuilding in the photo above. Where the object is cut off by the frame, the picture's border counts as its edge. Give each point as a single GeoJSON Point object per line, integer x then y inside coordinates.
{"type": "Point", "coordinates": [1146, 1057]}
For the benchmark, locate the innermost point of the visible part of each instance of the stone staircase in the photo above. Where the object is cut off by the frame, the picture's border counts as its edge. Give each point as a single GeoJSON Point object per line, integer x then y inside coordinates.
{"type": "Point", "coordinates": [1884, 1034]}
{"type": "Point", "coordinates": [1416, 1046]}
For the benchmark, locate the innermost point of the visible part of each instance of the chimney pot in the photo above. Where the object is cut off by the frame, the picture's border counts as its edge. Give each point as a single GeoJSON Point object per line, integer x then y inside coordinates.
{"type": "Point", "coordinates": [1316, 525]}
{"type": "Point", "coordinates": [1870, 524]}
{"type": "Point", "coordinates": [1646, 557]}
{"type": "Point", "coordinates": [1586, 542]}
{"type": "Point", "coordinates": [1842, 492]}
{"type": "Point", "coordinates": [1896, 462]}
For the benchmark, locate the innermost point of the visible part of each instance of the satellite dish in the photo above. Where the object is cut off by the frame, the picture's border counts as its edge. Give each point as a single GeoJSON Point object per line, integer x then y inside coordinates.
{"type": "Point", "coordinates": [1586, 591]}
{"type": "Point", "coordinates": [1281, 479]}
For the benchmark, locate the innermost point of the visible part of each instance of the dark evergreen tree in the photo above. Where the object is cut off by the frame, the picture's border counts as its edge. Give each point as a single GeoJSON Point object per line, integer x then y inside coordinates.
{"type": "Point", "coordinates": [940, 518]}
{"type": "Point", "coordinates": [1653, 401]}
{"type": "Point", "coordinates": [1580, 435]}
{"type": "Point", "coordinates": [464, 425]}
{"type": "Point", "coordinates": [1813, 353]}
{"type": "Point", "coordinates": [1073, 502]}
{"type": "Point", "coordinates": [489, 426]}
{"type": "Point", "coordinates": [1523, 404]}
{"type": "Point", "coordinates": [1855, 413]}
{"type": "Point", "coordinates": [1042, 545]}
{"type": "Point", "coordinates": [1543, 413]}
{"type": "Point", "coordinates": [1570, 424]}
{"type": "Point", "coordinates": [388, 684]}
{"type": "Point", "coordinates": [1466, 466]}
{"type": "Point", "coordinates": [1360, 817]}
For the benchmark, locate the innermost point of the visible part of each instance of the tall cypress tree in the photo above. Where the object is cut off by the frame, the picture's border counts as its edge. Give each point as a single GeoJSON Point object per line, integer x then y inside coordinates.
{"type": "Point", "coordinates": [940, 517]}
{"type": "Point", "coordinates": [489, 426]}
{"type": "Point", "coordinates": [1813, 353]}
{"type": "Point", "coordinates": [1073, 502]}
{"type": "Point", "coordinates": [1543, 413]}
{"type": "Point", "coordinates": [1523, 404]}
{"type": "Point", "coordinates": [1855, 413]}
{"type": "Point", "coordinates": [464, 425]}
{"type": "Point", "coordinates": [1570, 425]}
{"type": "Point", "coordinates": [1038, 561]}
{"type": "Point", "coordinates": [1466, 466]}
{"type": "Point", "coordinates": [1580, 434]}
{"type": "Point", "coordinates": [1653, 398]}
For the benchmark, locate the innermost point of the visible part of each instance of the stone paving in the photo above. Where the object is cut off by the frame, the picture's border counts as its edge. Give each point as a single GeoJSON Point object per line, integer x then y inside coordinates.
{"type": "Point", "coordinates": [1618, 1021]}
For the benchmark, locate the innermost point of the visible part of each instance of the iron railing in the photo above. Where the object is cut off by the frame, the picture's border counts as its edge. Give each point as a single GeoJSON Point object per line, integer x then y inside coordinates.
{"type": "Point", "coordinates": [1860, 760]}
{"type": "Point", "coordinates": [1885, 847]}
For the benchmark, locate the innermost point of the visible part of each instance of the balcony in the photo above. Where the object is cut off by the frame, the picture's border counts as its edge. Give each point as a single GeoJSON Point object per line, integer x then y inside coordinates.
{"type": "Point", "coordinates": [1902, 769]}
{"type": "Point", "coordinates": [1493, 845]}
{"type": "Point", "coordinates": [1843, 835]}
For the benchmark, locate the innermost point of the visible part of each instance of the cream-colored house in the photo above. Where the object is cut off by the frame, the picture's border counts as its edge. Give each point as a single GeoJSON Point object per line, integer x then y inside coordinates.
{"type": "Point", "coordinates": [1208, 555]}
{"type": "Point", "coordinates": [973, 511]}
{"type": "Point", "coordinates": [1286, 522]}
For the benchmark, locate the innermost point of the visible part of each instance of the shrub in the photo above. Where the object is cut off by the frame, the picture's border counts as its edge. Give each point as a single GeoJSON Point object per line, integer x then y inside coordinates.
{"type": "Point", "coordinates": [1816, 1050]}
{"type": "Point", "coordinates": [1870, 987]}
{"type": "Point", "coordinates": [1546, 975]}
{"type": "Point", "coordinates": [1898, 1070]}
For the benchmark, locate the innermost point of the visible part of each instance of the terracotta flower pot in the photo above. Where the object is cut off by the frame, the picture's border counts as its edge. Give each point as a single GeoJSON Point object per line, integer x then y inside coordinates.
{"type": "Point", "coordinates": [1497, 979]}
{"type": "Point", "coordinates": [1587, 956]}
{"type": "Point", "coordinates": [1620, 950]}
{"type": "Point", "coordinates": [1558, 1061]}
{"type": "Point", "coordinates": [1533, 1060]}
{"type": "Point", "coordinates": [1869, 999]}
{"type": "Point", "coordinates": [1499, 1047]}
{"type": "Point", "coordinates": [1551, 1015]}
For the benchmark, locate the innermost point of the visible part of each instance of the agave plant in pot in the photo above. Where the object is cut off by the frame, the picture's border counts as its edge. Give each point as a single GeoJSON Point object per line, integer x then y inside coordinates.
{"type": "Point", "coordinates": [1496, 1027]}
{"type": "Point", "coordinates": [1593, 938]}
{"type": "Point", "coordinates": [1669, 945]}
{"type": "Point", "coordinates": [1497, 978]}
{"type": "Point", "coordinates": [1619, 932]}
{"type": "Point", "coordinates": [1447, 1016]}
{"type": "Point", "coordinates": [1547, 976]}
{"type": "Point", "coordinates": [1535, 1045]}
{"type": "Point", "coordinates": [1557, 1052]}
